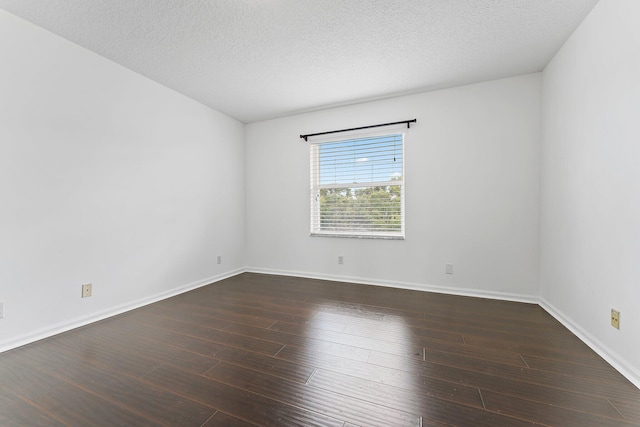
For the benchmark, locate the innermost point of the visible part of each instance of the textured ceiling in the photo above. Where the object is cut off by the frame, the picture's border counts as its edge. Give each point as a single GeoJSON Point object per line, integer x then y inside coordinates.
{"type": "Point", "coordinates": [260, 59]}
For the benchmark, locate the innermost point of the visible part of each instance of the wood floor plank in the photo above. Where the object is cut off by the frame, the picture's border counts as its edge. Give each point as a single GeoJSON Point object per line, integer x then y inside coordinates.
{"type": "Point", "coordinates": [385, 375]}
{"type": "Point", "coordinates": [399, 332]}
{"type": "Point", "coordinates": [578, 400]}
{"type": "Point", "coordinates": [216, 352]}
{"type": "Point", "coordinates": [270, 305]}
{"type": "Point", "coordinates": [21, 414]}
{"type": "Point", "coordinates": [78, 408]}
{"type": "Point", "coordinates": [464, 361]}
{"type": "Point", "coordinates": [236, 309]}
{"type": "Point", "coordinates": [602, 372]}
{"type": "Point", "coordinates": [174, 353]}
{"type": "Point", "coordinates": [211, 315]}
{"type": "Point", "coordinates": [24, 380]}
{"type": "Point", "coordinates": [444, 342]}
{"type": "Point", "coordinates": [205, 333]}
{"type": "Point", "coordinates": [189, 313]}
{"type": "Point", "coordinates": [455, 354]}
{"type": "Point", "coordinates": [630, 410]}
{"type": "Point", "coordinates": [414, 401]}
{"type": "Point", "coordinates": [307, 328]}
{"type": "Point", "coordinates": [360, 309]}
{"type": "Point", "coordinates": [544, 414]}
{"type": "Point", "coordinates": [147, 346]}
{"type": "Point", "coordinates": [407, 349]}
{"type": "Point", "coordinates": [90, 353]}
{"type": "Point", "coordinates": [7, 397]}
{"type": "Point", "coordinates": [281, 338]}
{"type": "Point", "coordinates": [596, 388]}
{"type": "Point", "coordinates": [268, 364]}
{"type": "Point", "coordinates": [220, 419]}
{"type": "Point", "coordinates": [551, 350]}
{"type": "Point", "coordinates": [241, 404]}
{"type": "Point", "coordinates": [154, 403]}
{"type": "Point", "coordinates": [330, 403]}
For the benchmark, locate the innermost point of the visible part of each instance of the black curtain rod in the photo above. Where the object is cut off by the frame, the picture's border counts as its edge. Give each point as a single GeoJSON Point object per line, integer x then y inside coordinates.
{"type": "Point", "coordinates": [408, 122]}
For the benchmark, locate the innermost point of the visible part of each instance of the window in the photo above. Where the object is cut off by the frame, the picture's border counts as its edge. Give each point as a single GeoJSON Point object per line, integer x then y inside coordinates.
{"type": "Point", "coordinates": [357, 187]}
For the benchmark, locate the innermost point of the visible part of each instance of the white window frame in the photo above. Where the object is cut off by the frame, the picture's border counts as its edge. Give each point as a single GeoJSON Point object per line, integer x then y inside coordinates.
{"type": "Point", "coordinates": [315, 187]}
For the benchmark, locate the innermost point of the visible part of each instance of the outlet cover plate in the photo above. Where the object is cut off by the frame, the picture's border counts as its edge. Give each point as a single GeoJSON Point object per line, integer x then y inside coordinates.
{"type": "Point", "coordinates": [615, 318]}
{"type": "Point", "coordinates": [448, 268]}
{"type": "Point", "coordinates": [87, 290]}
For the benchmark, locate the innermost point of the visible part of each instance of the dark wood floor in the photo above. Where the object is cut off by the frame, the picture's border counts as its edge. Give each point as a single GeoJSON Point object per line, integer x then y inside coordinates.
{"type": "Point", "coordinates": [281, 351]}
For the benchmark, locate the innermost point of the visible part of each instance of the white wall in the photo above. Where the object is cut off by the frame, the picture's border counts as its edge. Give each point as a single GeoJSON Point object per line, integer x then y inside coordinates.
{"type": "Point", "coordinates": [472, 192]}
{"type": "Point", "coordinates": [109, 178]}
{"type": "Point", "coordinates": [590, 197]}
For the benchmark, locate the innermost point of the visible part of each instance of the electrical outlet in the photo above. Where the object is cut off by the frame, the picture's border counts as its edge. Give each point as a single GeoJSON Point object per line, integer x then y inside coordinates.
{"type": "Point", "coordinates": [340, 259]}
{"type": "Point", "coordinates": [1, 310]}
{"type": "Point", "coordinates": [219, 259]}
{"type": "Point", "coordinates": [615, 318]}
{"type": "Point", "coordinates": [448, 268]}
{"type": "Point", "coordinates": [86, 290]}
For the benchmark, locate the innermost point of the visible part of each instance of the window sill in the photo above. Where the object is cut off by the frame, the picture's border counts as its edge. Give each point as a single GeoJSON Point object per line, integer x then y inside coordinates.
{"type": "Point", "coordinates": [358, 236]}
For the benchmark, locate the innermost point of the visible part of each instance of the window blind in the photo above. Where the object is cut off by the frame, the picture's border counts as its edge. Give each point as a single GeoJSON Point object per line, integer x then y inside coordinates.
{"type": "Point", "coordinates": [357, 187]}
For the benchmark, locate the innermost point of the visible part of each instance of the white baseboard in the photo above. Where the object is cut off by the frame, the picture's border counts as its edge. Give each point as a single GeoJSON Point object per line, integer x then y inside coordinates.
{"type": "Point", "coordinates": [113, 311]}
{"type": "Point", "coordinates": [619, 363]}
{"type": "Point", "coordinates": [504, 296]}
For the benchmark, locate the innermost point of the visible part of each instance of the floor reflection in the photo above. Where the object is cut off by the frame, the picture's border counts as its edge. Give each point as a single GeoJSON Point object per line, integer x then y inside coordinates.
{"type": "Point", "coordinates": [366, 354]}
